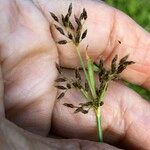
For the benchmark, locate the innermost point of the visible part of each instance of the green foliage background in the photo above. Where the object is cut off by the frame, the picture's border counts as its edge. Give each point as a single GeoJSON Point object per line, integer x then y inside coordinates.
{"type": "Point", "coordinates": [138, 10]}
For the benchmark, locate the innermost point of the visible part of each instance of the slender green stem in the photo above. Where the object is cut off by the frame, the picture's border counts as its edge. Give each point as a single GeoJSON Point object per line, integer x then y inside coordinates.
{"type": "Point", "coordinates": [85, 94]}
{"type": "Point", "coordinates": [92, 88]}
{"type": "Point", "coordinates": [98, 112]}
{"type": "Point", "coordinates": [82, 63]}
{"type": "Point", "coordinates": [99, 125]}
{"type": "Point", "coordinates": [102, 92]}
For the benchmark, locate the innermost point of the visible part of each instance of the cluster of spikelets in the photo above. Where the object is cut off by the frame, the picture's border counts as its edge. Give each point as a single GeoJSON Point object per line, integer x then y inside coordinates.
{"type": "Point", "coordinates": [94, 93]}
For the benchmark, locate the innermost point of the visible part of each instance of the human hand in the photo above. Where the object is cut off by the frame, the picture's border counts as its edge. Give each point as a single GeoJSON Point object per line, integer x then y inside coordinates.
{"type": "Point", "coordinates": [29, 53]}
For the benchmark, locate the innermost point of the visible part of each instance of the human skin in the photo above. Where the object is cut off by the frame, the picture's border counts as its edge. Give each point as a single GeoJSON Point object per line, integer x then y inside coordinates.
{"type": "Point", "coordinates": [28, 97]}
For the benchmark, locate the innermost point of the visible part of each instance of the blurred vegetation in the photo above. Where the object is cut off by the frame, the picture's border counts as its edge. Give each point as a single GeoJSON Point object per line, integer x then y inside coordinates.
{"type": "Point", "coordinates": [143, 92]}
{"type": "Point", "coordinates": [139, 10]}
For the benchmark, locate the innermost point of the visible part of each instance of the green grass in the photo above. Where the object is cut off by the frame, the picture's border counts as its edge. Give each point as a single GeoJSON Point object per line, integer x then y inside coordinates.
{"type": "Point", "coordinates": [143, 92]}
{"type": "Point", "coordinates": [138, 10]}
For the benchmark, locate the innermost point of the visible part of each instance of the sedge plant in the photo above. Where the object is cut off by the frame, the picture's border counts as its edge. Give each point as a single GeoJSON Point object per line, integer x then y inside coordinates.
{"type": "Point", "coordinates": [93, 93]}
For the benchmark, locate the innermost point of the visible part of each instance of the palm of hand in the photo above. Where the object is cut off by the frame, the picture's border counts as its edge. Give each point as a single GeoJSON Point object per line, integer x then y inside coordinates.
{"type": "Point", "coordinates": [28, 54]}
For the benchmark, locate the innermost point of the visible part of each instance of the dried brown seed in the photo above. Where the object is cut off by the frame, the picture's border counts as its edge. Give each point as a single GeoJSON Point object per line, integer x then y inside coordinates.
{"type": "Point", "coordinates": [62, 42]}
{"type": "Point", "coordinates": [60, 29]}
{"type": "Point", "coordinates": [84, 34]}
{"type": "Point", "coordinates": [61, 95]}
{"type": "Point", "coordinates": [60, 87]}
{"type": "Point", "coordinates": [54, 16]}
{"type": "Point", "coordinates": [60, 80]}
{"type": "Point", "coordinates": [58, 68]}
{"type": "Point", "coordinates": [69, 105]}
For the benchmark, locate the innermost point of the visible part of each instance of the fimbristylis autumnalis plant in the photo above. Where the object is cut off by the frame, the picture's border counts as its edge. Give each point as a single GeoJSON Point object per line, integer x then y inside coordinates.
{"type": "Point", "coordinates": [93, 93]}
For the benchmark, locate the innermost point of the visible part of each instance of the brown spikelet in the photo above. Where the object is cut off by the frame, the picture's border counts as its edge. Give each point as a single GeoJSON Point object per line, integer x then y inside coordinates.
{"type": "Point", "coordinates": [62, 42]}
{"type": "Point", "coordinates": [69, 105]}
{"type": "Point", "coordinates": [60, 80]}
{"type": "Point", "coordinates": [60, 87]}
{"type": "Point", "coordinates": [61, 95]}
{"type": "Point", "coordinates": [60, 29]}
{"type": "Point", "coordinates": [84, 34]}
{"type": "Point", "coordinates": [54, 16]}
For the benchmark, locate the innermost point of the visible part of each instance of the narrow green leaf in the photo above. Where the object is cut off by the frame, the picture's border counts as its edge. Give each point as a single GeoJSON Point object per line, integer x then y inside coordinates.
{"type": "Point", "coordinates": [95, 67]}
{"type": "Point", "coordinates": [91, 76]}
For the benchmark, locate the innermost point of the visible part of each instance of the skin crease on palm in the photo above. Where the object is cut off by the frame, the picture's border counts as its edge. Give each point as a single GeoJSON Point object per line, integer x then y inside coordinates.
{"type": "Point", "coordinates": [28, 55]}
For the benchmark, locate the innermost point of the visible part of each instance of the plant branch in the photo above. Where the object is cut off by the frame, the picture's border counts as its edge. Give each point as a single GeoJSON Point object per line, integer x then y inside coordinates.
{"type": "Point", "coordinates": [103, 91]}
{"type": "Point", "coordinates": [85, 94]}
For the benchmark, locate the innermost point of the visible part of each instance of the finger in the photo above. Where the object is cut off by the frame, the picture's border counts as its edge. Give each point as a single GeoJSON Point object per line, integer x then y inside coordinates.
{"type": "Point", "coordinates": [106, 26]}
{"type": "Point", "coordinates": [19, 138]}
{"type": "Point", "coordinates": [28, 55]}
{"type": "Point", "coordinates": [125, 118]}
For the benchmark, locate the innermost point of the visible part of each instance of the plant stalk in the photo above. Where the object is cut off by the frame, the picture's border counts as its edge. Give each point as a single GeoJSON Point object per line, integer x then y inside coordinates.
{"type": "Point", "coordinates": [97, 110]}
{"type": "Point", "coordinates": [99, 125]}
{"type": "Point", "coordinates": [102, 92]}
{"type": "Point", "coordinates": [86, 74]}
{"type": "Point", "coordinates": [82, 63]}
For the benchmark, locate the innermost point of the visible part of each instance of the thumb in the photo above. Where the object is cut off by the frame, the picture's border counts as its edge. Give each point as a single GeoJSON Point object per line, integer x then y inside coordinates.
{"type": "Point", "coordinates": [106, 26]}
{"type": "Point", "coordinates": [13, 137]}
{"type": "Point", "coordinates": [125, 118]}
